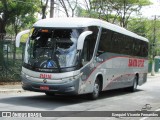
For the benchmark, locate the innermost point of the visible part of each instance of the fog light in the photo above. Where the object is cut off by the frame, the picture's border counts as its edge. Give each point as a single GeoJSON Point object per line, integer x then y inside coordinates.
{"type": "Point", "coordinates": [70, 89]}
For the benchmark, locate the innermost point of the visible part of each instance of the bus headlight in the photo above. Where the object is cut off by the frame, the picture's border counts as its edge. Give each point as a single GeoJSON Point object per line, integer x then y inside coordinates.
{"type": "Point", "coordinates": [24, 75]}
{"type": "Point", "coordinates": [70, 79]}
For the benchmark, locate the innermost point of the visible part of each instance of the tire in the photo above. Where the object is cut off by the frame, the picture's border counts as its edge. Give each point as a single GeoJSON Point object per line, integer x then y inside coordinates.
{"type": "Point", "coordinates": [133, 88]}
{"type": "Point", "coordinates": [96, 90]}
{"type": "Point", "coordinates": [49, 93]}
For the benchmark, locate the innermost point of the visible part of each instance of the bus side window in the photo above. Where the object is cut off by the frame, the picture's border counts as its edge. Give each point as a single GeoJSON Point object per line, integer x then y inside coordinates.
{"type": "Point", "coordinates": [89, 45]}
{"type": "Point", "coordinates": [86, 50]}
{"type": "Point", "coordinates": [136, 48]}
{"type": "Point", "coordinates": [127, 45]}
{"type": "Point", "coordinates": [145, 49]}
{"type": "Point", "coordinates": [105, 42]}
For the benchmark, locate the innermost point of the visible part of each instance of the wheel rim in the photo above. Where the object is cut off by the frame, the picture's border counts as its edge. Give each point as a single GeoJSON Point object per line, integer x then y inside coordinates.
{"type": "Point", "coordinates": [96, 90]}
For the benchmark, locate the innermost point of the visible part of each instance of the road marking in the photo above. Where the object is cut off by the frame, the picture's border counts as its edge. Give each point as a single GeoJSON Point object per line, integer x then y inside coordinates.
{"type": "Point", "coordinates": [144, 118]}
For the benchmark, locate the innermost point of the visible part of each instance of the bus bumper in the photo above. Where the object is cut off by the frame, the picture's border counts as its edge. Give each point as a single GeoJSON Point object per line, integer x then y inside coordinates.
{"type": "Point", "coordinates": [70, 88]}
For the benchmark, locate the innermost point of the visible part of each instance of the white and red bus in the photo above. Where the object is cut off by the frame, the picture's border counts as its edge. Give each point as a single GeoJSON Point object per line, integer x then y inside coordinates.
{"type": "Point", "coordinates": [82, 56]}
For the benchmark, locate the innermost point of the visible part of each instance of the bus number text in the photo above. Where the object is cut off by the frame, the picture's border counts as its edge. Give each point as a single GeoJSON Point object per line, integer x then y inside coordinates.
{"type": "Point", "coordinates": [49, 76]}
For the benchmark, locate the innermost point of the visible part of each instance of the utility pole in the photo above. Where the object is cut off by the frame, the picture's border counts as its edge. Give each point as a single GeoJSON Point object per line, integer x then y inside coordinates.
{"type": "Point", "coordinates": [52, 9]}
{"type": "Point", "coordinates": [153, 47]}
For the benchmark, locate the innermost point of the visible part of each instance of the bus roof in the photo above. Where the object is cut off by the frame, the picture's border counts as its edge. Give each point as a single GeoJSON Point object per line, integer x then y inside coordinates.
{"type": "Point", "coordinates": [83, 22]}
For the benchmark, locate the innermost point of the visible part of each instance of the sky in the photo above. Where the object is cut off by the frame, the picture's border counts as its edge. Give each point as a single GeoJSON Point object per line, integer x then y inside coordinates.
{"type": "Point", "coordinates": [151, 10]}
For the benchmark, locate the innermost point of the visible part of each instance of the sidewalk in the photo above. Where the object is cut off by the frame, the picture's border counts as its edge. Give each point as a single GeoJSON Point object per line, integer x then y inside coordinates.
{"type": "Point", "coordinates": [9, 87]}
{"type": "Point", "coordinates": [156, 75]}
{"type": "Point", "coordinates": [17, 88]}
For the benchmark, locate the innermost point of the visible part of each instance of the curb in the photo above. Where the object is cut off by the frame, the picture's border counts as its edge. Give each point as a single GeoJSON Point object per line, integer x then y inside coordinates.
{"type": "Point", "coordinates": [11, 90]}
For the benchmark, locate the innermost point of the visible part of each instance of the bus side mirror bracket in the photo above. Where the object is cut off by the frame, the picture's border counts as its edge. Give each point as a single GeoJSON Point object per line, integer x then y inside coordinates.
{"type": "Point", "coordinates": [19, 35]}
{"type": "Point", "coordinates": [82, 38]}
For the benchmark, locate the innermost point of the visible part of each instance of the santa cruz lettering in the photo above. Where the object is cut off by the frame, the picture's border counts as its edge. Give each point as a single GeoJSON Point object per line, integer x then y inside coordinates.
{"type": "Point", "coordinates": [135, 62]}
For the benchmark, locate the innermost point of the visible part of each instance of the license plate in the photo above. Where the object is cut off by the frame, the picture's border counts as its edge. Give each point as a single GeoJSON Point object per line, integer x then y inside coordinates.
{"type": "Point", "coordinates": [44, 88]}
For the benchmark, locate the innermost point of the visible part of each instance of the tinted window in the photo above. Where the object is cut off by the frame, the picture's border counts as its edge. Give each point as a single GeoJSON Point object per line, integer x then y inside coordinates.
{"type": "Point", "coordinates": [105, 42]}
{"type": "Point", "coordinates": [140, 48]}
{"type": "Point", "coordinates": [114, 42]}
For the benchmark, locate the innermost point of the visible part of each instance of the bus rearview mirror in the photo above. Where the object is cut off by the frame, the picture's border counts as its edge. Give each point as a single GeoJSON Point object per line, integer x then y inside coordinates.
{"type": "Point", "coordinates": [82, 38]}
{"type": "Point", "coordinates": [19, 35]}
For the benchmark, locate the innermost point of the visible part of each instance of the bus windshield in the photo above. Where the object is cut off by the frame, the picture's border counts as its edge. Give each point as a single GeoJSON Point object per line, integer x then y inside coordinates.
{"type": "Point", "coordinates": [52, 48]}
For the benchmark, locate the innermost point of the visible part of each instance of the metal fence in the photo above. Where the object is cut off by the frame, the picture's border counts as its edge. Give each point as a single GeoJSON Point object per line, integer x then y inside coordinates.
{"type": "Point", "coordinates": [10, 59]}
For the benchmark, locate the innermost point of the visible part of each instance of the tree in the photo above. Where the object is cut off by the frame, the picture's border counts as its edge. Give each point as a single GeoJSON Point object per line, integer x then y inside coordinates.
{"type": "Point", "coordinates": [69, 6]}
{"type": "Point", "coordinates": [115, 11]}
{"type": "Point", "coordinates": [92, 8]}
{"type": "Point", "coordinates": [52, 9]}
{"type": "Point", "coordinates": [138, 26]}
{"type": "Point", "coordinates": [43, 8]}
{"type": "Point", "coordinates": [128, 7]}
{"type": "Point", "coordinates": [16, 13]}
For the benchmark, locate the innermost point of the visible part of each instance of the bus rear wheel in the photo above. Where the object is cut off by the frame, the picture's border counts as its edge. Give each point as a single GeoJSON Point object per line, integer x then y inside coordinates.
{"type": "Point", "coordinates": [133, 88]}
{"type": "Point", "coordinates": [96, 90]}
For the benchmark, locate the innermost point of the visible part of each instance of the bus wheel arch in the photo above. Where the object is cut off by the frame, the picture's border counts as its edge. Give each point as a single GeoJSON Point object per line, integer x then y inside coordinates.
{"type": "Point", "coordinates": [100, 78]}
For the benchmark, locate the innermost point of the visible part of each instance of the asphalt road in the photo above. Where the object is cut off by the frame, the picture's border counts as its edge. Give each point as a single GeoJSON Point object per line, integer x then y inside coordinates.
{"type": "Point", "coordinates": [115, 100]}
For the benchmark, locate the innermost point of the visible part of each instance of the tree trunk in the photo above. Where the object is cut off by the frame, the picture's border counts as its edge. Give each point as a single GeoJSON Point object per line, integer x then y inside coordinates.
{"type": "Point", "coordinates": [52, 9]}
{"type": "Point", "coordinates": [153, 67]}
{"type": "Point", "coordinates": [44, 9]}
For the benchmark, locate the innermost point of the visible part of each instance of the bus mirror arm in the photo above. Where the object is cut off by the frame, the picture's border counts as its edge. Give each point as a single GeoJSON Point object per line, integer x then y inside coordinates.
{"type": "Point", "coordinates": [82, 38]}
{"type": "Point", "coordinates": [19, 35]}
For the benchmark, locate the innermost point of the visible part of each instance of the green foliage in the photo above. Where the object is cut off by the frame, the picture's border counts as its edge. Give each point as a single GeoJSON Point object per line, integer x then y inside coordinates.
{"type": "Point", "coordinates": [17, 14]}
{"type": "Point", "coordinates": [11, 69]}
{"type": "Point", "coordinates": [24, 38]}
{"type": "Point", "coordinates": [138, 26]}
{"type": "Point", "coordinates": [145, 27]}
{"type": "Point", "coordinates": [12, 72]}
{"type": "Point", "coordinates": [1, 53]}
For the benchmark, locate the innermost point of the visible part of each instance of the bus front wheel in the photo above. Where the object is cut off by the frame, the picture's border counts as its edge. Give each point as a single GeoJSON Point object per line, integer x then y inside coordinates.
{"type": "Point", "coordinates": [96, 90]}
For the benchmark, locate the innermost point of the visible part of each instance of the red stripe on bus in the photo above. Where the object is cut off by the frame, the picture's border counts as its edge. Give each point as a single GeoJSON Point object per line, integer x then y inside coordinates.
{"type": "Point", "coordinates": [108, 60]}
